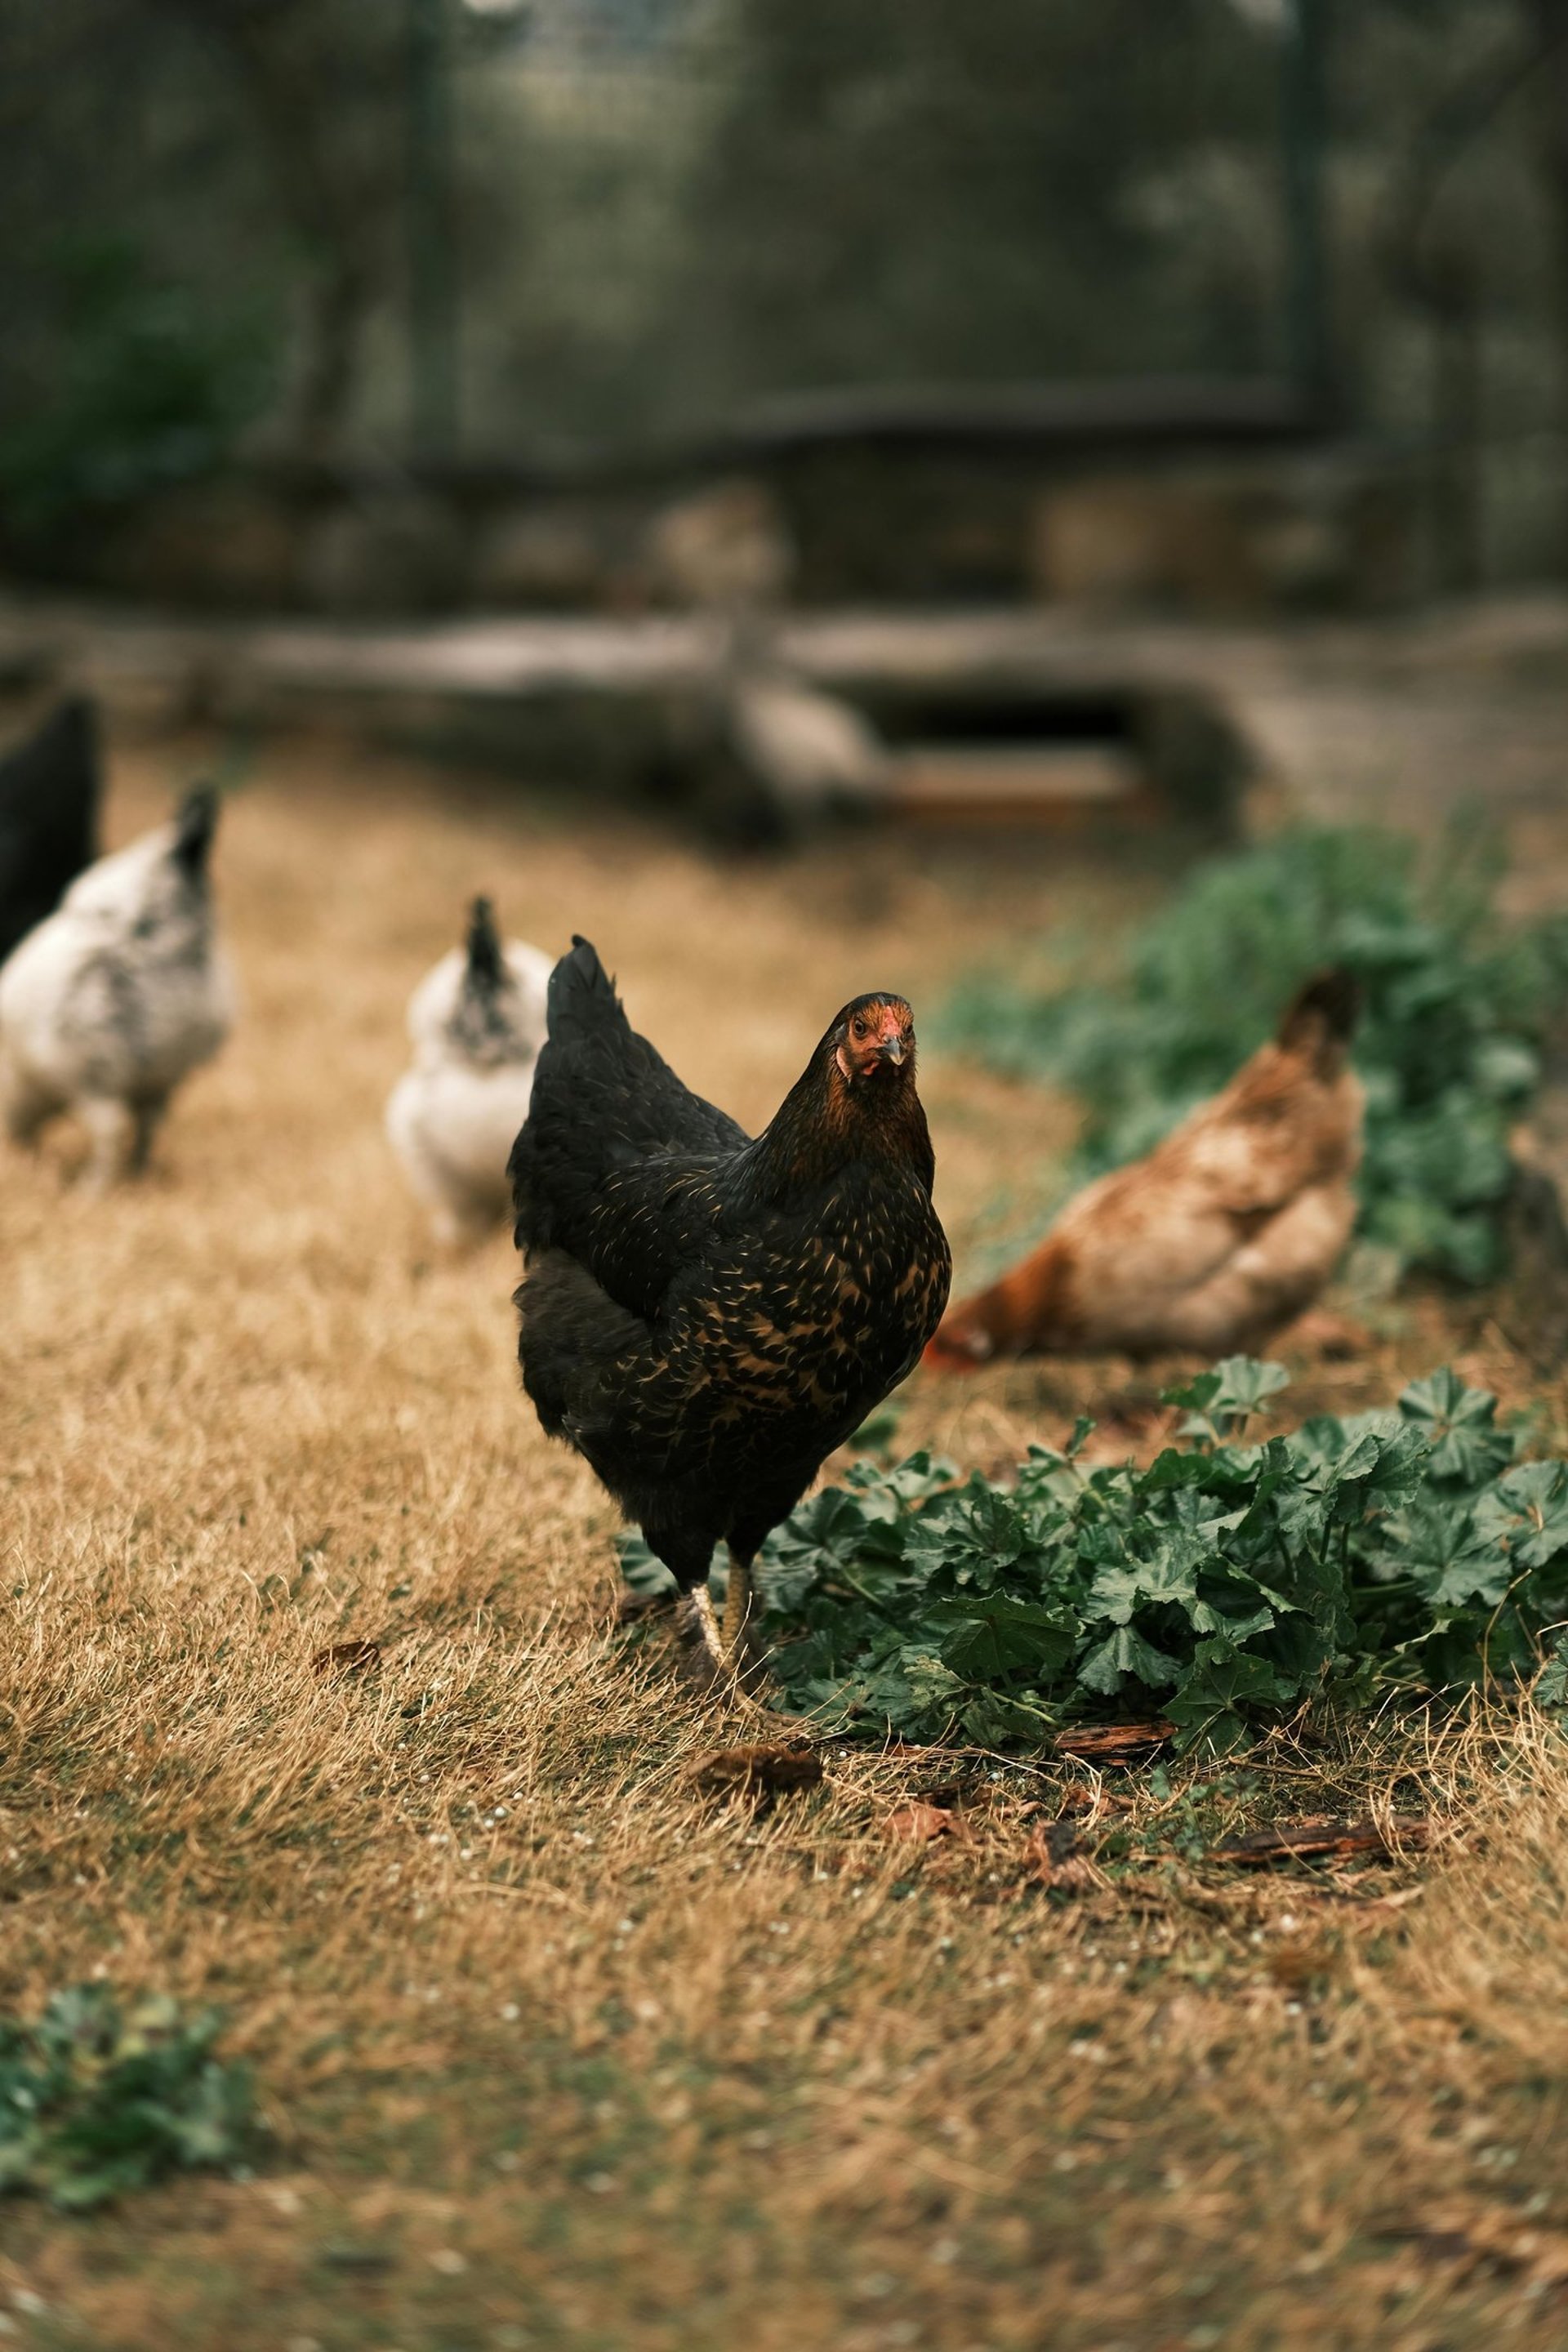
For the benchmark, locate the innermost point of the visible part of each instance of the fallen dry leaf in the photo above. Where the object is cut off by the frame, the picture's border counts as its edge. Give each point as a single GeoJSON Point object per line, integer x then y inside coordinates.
{"type": "Point", "coordinates": [1305, 1840]}
{"type": "Point", "coordinates": [765, 1767]}
{"type": "Point", "coordinates": [919, 1824]}
{"type": "Point", "coordinates": [1297, 1961]}
{"type": "Point", "coordinates": [1094, 1802]}
{"type": "Point", "coordinates": [347, 1658]}
{"type": "Point", "coordinates": [1053, 1860]}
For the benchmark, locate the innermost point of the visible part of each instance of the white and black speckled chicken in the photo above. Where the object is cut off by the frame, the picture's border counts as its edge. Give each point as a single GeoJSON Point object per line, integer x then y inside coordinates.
{"type": "Point", "coordinates": [476, 1021]}
{"type": "Point", "coordinates": [115, 998]}
{"type": "Point", "coordinates": [706, 1316]}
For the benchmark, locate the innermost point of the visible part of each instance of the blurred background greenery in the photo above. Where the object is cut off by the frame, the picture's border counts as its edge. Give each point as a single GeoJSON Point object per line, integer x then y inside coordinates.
{"type": "Point", "coordinates": [365, 227]}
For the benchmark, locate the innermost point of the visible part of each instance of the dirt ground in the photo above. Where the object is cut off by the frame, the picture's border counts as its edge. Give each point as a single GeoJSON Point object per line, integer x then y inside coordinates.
{"type": "Point", "coordinates": [554, 2049]}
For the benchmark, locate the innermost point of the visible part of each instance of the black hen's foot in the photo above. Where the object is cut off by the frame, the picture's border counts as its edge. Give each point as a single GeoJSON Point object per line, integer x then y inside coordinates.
{"type": "Point", "coordinates": [714, 1665]}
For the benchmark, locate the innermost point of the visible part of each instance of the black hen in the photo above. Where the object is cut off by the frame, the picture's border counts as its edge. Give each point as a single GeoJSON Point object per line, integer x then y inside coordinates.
{"type": "Point", "coordinates": [49, 817]}
{"type": "Point", "coordinates": [705, 1318]}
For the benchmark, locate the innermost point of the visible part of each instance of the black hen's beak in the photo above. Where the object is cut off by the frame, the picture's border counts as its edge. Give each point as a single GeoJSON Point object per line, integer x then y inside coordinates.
{"type": "Point", "coordinates": [894, 1050]}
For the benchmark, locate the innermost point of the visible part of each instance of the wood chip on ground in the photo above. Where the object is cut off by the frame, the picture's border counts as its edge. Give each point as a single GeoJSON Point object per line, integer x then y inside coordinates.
{"type": "Point", "coordinates": [1310, 1841]}
{"type": "Point", "coordinates": [1112, 1743]}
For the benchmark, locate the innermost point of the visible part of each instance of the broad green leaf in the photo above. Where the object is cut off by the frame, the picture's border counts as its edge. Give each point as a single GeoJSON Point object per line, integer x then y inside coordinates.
{"type": "Point", "coordinates": [1451, 1559]}
{"type": "Point", "coordinates": [1460, 1424]}
{"type": "Point", "coordinates": [1551, 1686]}
{"type": "Point", "coordinates": [1171, 1470]}
{"type": "Point", "coordinates": [1527, 1510]}
{"type": "Point", "coordinates": [975, 1535]}
{"type": "Point", "coordinates": [1230, 1676]}
{"type": "Point", "coordinates": [993, 1634]}
{"type": "Point", "coordinates": [1245, 1384]}
{"type": "Point", "coordinates": [992, 1719]}
{"type": "Point", "coordinates": [1377, 1468]}
{"type": "Point", "coordinates": [1169, 1578]}
{"type": "Point", "coordinates": [1196, 1394]}
{"type": "Point", "coordinates": [1126, 1652]}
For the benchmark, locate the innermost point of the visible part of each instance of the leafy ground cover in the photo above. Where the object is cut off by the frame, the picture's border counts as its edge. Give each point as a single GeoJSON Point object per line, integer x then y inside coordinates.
{"type": "Point", "coordinates": [1226, 1583]}
{"type": "Point", "coordinates": [1456, 1007]}
{"type": "Point", "coordinates": [97, 2098]}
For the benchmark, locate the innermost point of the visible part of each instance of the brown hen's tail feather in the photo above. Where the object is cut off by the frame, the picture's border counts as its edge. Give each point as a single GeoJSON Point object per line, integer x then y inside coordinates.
{"type": "Point", "coordinates": [1031, 1308]}
{"type": "Point", "coordinates": [946, 1355]}
{"type": "Point", "coordinates": [1320, 1018]}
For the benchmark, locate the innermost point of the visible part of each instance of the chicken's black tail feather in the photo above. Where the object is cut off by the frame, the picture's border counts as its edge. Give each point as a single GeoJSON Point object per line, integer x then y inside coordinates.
{"type": "Point", "coordinates": [195, 827]}
{"type": "Point", "coordinates": [582, 993]}
{"type": "Point", "coordinates": [487, 964]}
{"type": "Point", "coordinates": [1320, 1018]}
{"type": "Point", "coordinates": [603, 1100]}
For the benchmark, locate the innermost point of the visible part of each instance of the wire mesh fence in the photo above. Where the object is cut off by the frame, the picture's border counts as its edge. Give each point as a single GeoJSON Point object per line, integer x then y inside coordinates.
{"type": "Point", "coordinates": [375, 228]}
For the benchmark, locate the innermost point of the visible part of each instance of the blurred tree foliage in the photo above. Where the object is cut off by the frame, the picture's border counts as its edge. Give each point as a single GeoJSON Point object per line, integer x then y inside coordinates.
{"type": "Point", "coordinates": [911, 188]}
{"type": "Point", "coordinates": [197, 210]}
{"type": "Point", "coordinates": [667, 207]}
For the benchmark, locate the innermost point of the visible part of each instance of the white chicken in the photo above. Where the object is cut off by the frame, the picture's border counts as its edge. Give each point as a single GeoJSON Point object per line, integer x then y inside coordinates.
{"type": "Point", "coordinates": [476, 1021]}
{"type": "Point", "coordinates": [118, 995]}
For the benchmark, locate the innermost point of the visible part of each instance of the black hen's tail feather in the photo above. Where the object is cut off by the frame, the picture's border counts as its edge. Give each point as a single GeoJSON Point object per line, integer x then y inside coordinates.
{"type": "Point", "coordinates": [582, 995]}
{"type": "Point", "coordinates": [195, 827]}
{"type": "Point", "coordinates": [1321, 1016]}
{"type": "Point", "coordinates": [605, 1103]}
{"type": "Point", "coordinates": [596, 1072]}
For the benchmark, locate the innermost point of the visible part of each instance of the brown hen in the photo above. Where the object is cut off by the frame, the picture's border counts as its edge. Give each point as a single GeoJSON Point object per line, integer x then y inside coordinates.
{"type": "Point", "coordinates": [1225, 1233]}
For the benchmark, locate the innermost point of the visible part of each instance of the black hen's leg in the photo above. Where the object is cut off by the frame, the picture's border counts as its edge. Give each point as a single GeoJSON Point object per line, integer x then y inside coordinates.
{"type": "Point", "coordinates": [748, 1533]}
{"type": "Point", "coordinates": [687, 1558]}
{"type": "Point", "coordinates": [720, 1659]}
{"type": "Point", "coordinates": [717, 1659]}
{"type": "Point", "coordinates": [736, 1604]}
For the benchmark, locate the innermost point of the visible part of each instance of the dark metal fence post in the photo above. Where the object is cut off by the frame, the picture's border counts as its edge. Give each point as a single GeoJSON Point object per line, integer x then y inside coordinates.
{"type": "Point", "coordinates": [432, 265]}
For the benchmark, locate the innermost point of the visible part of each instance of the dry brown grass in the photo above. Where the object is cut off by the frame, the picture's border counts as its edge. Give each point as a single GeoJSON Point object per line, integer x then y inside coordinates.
{"type": "Point", "coordinates": [557, 2052]}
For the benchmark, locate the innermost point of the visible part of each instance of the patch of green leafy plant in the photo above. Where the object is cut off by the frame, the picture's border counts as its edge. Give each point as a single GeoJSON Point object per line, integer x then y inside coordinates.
{"type": "Point", "coordinates": [1455, 1008]}
{"type": "Point", "coordinates": [1231, 1580]}
{"type": "Point", "coordinates": [149, 388]}
{"type": "Point", "coordinates": [98, 2097]}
